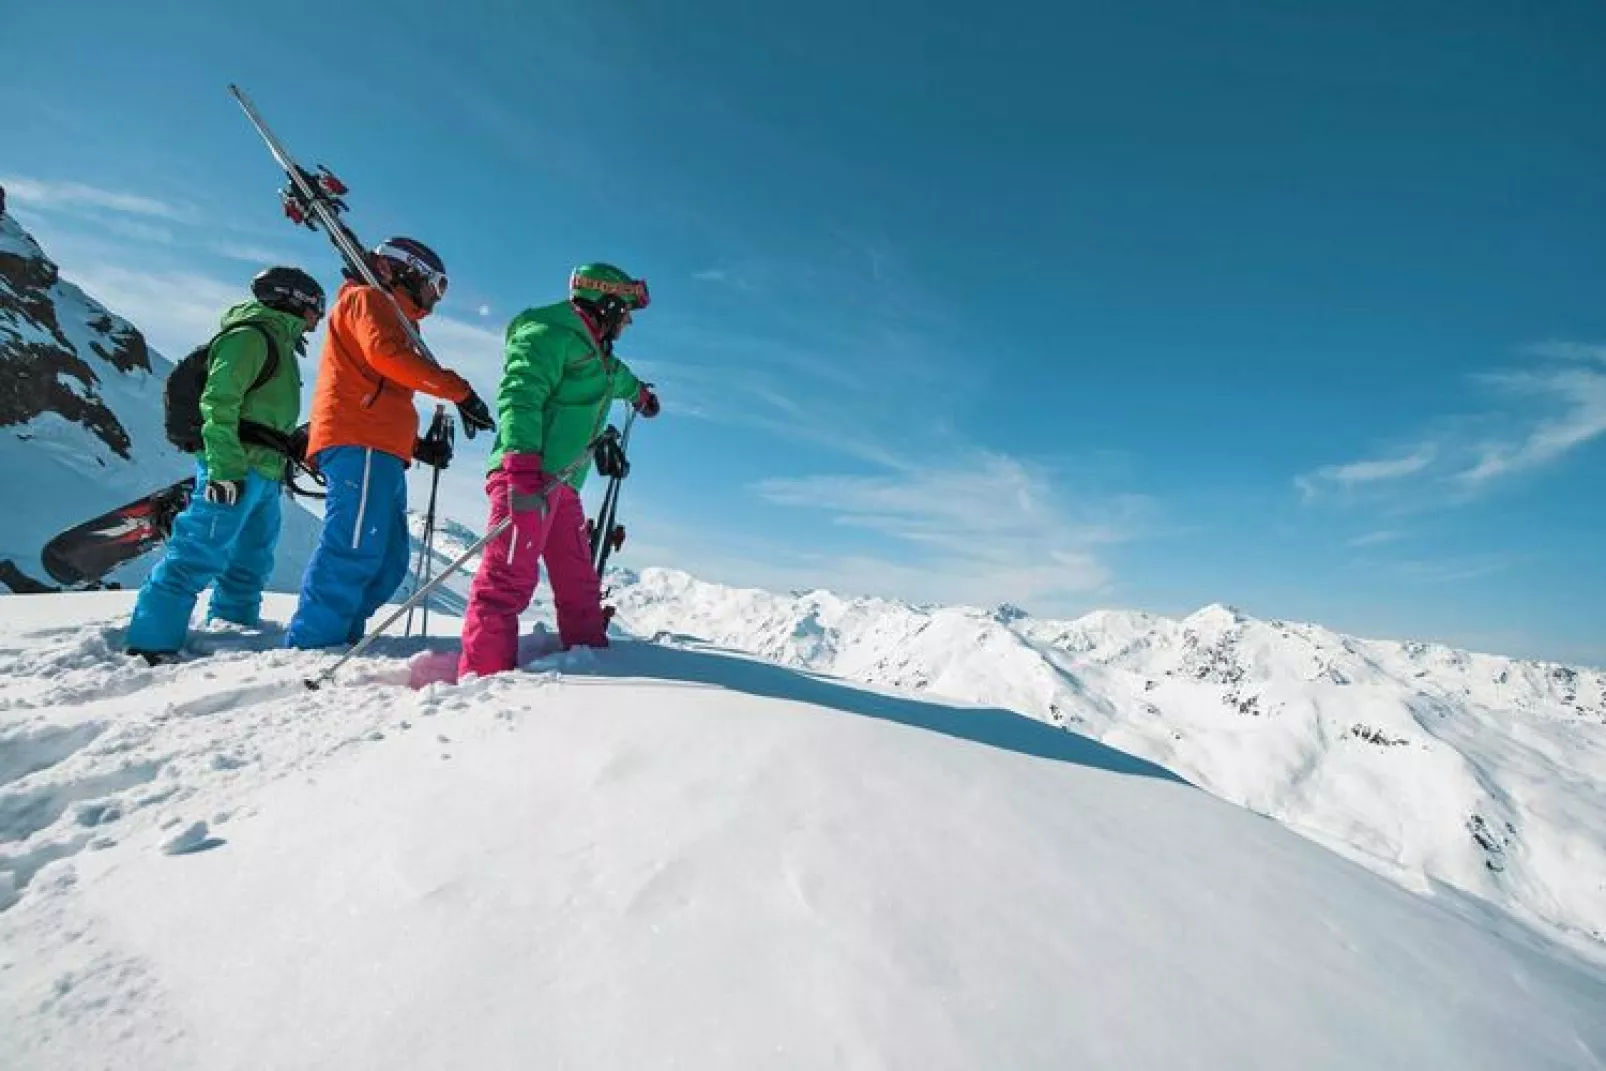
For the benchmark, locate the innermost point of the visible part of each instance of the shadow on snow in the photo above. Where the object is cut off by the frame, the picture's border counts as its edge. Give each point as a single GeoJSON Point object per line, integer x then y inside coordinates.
{"type": "Point", "coordinates": [983, 725]}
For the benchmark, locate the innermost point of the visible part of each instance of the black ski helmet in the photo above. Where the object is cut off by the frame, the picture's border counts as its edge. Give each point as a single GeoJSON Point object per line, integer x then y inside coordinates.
{"type": "Point", "coordinates": [416, 266]}
{"type": "Point", "coordinates": [288, 290]}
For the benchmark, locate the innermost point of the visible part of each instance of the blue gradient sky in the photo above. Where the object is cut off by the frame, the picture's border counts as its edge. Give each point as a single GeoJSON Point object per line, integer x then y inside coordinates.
{"type": "Point", "coordinates": [1072, 305]}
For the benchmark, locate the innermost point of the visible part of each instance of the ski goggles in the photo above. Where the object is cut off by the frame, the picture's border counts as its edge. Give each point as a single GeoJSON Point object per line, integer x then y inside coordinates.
{"type": "Point", "coordinates": [312, 303]}
{"type": "Point", "coordinates": [301, 301]}
{"type": "Point", "coordinates": [634, 292]}
{"type": "Point", "coordinates": [434, 280]}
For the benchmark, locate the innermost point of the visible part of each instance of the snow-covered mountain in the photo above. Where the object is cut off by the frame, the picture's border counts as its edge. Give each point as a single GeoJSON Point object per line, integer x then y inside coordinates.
{"type": "Point", "coordinates": [1432, 766]}
{"type": "Point", "coordinates": [81, 419]}
{"type": "Point", "coordinates": [665, 855]}
{"type": "Point", "coordinates": [1428, 764]}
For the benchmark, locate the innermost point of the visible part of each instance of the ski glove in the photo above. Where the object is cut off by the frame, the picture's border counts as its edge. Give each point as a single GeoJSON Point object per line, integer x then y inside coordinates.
{"type": "Point", "coordinates": [431, 451]}
{"type": "Point", "coordinates": [610, 457]}
{"type": "Point", "coordinates": [475, 416]}
{"type": "Point", "coordinates": [527, 485]}
{"type": "Point", "coordinates": [224, 492]}
{"type": "Point", "coordinates": [298, 442]}
{"type": "Point", "coordinates": [647, 402]}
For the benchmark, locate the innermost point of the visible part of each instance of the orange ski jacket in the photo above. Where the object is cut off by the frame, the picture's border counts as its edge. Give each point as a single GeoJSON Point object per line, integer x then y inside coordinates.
{"type": "Point", "coordinates": [369, 371]}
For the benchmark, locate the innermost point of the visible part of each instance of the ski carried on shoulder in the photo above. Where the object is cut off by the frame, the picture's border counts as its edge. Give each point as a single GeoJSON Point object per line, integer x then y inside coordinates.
{"type": "Point", "coordinates": [83, 555]}
{"type": "Point", "coordinates": [316, 198]}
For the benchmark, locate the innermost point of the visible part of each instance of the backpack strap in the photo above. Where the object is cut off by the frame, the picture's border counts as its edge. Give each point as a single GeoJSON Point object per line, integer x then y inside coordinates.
{"type": "Point", "coordinates": [249, 431]}
{"type": "Point", "coordinates": [269, 366]}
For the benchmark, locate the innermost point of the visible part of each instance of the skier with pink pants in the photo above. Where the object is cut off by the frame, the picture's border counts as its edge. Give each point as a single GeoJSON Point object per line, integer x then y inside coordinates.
{"type": "Point", "coordinates": [559, 380]}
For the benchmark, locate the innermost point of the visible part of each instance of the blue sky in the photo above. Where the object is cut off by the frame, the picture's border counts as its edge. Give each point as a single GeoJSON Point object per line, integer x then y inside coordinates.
{"type": "Point", "coordinates": [1143, 305]}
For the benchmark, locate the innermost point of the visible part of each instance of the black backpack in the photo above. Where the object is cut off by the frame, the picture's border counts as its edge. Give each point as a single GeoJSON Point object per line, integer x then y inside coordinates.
{"type": "Point", "coordinates": [181, 398]}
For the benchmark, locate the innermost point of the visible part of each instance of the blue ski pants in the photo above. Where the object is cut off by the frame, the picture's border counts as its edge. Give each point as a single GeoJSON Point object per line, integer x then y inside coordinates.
{"type": "Point", "coordinates": [362, 552]}
{"type": "Point", "coordinates": [229, 548]}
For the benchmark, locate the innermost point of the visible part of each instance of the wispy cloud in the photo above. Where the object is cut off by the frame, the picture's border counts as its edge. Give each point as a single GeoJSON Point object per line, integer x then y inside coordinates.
{"type": "Point", "coordinates": [1376, 539]}
{"type": "Point", "coordinates": [175, 310]}
{"type": "Point", "coordinates": [472, 351]}
{"type": "Point", "coordinates": [755, 397]}
{"type": "Point", "coordinates": [1558, 350]}
{"type": "Point", "coordinates": [1542, 413]}
{"type": "Point", "coordinates": [843, 385]}
{"type": "Point", "coordinates": [746, 277]}
{"type": "Point", "coordinates": [1454, 569]}
{"type": "Point", "coordinates": [252, 254]}
{"type": "Point", "coordinates": [139, 230]}
{"type": "Point", "coordinates": [985, 528]}
{"type": "Point", "coordinates": [1579, 396]}
{"type": "Point", "coordinates": [43, 194]}
{"type": "Point", "coordinates": [1357, 473]}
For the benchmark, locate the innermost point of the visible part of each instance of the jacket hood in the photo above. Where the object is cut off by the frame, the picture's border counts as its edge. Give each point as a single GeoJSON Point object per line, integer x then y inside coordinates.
{"type": "Point", "coordinates": [287, 325]}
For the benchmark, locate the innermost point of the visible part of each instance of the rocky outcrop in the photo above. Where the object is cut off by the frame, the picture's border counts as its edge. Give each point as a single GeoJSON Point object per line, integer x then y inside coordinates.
{"type": "Point", "coordinates": [41, 369]}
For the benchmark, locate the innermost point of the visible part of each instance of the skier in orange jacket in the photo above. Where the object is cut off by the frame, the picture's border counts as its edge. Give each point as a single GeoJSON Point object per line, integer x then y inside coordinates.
{"type": "Point", "coordinates": [364, 433]}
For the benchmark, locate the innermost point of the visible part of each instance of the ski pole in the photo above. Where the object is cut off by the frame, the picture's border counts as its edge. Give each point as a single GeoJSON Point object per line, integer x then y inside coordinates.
{"type": "Point", "coordinates": [429, 562]}
{"type": "Point", "coordinates": [450, 434]}
{"type": "Point", "coordinates": [425, 538]}
{"type": "Point", "coordinates": [425, 548]}
{"type": "Point", "coordinates": [438, 433]}
{"type": "Point", "coordinates": [314, 683]}
{"type": "Point", "coordinates": [429, 545]}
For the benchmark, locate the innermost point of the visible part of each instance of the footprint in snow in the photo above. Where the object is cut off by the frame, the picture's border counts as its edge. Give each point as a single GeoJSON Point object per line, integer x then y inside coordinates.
{"type": "Point", "coordinates": [28, 753]}
{"type": "Point", "coordinates": [195, 838]}
{"type": "Point", "coordinates": [234, 698]}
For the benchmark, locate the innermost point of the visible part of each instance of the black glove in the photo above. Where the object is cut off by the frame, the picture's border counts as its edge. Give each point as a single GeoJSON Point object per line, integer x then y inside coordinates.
{"type": "Point", "coordinates": [432, 450]}
{"type": "Point", "coordinates": [297, 444]}
{"type": "Point", "coordinates": [224, 492]}
{"type": "Point", "coordinates": [610, 457]}
{"type": "Point", "coordinates": [474, 415]}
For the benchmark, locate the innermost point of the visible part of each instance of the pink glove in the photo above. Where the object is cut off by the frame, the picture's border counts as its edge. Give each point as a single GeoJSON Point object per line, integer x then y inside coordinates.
{"type": "Point", "coordinates": [527, 484]}
{"type": "Point", "coordinates": [647, 402]}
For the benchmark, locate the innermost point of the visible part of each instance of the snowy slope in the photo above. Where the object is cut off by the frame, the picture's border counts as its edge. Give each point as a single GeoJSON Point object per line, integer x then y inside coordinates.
{"type": "Point", "coordinates": [81, 418]}
{"type": "Point", "coordinates": [1427, 764]}
{"type": "Point", "coordinates": [670, 856]}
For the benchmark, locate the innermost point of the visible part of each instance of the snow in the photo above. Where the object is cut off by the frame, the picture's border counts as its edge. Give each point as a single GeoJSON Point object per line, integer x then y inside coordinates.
{"type": "Point", "coordinates": [667, 854]}
{"type": "Point", "coordinates": [1432, 766]}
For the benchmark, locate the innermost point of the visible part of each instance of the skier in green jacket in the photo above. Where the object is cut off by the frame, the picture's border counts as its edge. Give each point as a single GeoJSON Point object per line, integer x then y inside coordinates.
{"type": "Point", "coordinates": [225, 538]}
{"type": "Point", "coordinates": [559, 381]}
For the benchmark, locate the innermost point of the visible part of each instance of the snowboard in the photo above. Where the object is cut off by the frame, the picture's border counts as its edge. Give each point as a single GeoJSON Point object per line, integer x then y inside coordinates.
{"type": "Point", "coordinates": [83, 554]}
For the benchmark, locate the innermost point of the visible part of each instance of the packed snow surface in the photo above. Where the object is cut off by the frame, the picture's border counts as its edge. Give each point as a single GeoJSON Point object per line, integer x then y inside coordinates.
{"type": "Point", "coordinates": [666, 854]}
